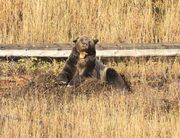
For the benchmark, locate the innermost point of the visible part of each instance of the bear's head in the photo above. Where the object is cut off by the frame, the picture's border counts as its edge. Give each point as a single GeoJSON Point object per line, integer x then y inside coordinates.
{"type": "Point", "coordinates": [85, 46]}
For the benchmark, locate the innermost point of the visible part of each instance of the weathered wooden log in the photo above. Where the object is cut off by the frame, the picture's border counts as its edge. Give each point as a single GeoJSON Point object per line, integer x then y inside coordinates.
{"type": "Point", "coordinates": [103, 50]}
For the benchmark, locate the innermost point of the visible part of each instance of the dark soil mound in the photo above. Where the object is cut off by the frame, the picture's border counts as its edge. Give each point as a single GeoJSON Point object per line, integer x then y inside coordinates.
{"type": "Point", "coordinates": [46, 85]}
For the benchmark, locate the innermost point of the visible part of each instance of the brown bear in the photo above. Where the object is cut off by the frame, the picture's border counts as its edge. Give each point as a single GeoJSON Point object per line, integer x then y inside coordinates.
{"type": "Point", "coordinates": [80, 63]}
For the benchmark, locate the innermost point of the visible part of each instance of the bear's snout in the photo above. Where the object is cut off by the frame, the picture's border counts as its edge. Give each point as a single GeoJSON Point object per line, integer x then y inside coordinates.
{"type": "Point", "coordinates": [83, 46]}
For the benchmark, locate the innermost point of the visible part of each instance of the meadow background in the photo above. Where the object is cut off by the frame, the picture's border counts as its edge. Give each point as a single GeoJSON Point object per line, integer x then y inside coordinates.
{"type": "Point", "coordinates": [130, 21]}
{"type": "Point", "coordinates": [33, 105]}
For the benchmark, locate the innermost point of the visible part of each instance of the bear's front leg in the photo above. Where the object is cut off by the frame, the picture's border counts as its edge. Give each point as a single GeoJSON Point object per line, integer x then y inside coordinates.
{"type": "Point", "coordinates": [63, 78]}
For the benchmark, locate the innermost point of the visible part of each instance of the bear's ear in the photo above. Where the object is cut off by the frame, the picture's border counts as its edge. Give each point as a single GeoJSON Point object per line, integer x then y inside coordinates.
{"type": "Point", "coordinates": [75, 40]}
{"type": "Point", "coordinates": [96, 41]}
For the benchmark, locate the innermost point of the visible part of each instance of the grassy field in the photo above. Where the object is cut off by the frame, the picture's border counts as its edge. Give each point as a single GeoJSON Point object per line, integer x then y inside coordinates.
{"type": "Point", "coordinates": [33, 105]}
{"type": "Point", "coordinates": [42, 109]}
{"type": "Point", "coordinates": [131, 21]}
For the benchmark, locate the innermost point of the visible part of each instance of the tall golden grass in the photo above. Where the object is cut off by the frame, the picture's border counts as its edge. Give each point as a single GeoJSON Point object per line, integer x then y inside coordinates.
{"type": "Point", "coordinates": [99, 116]}
{"type": "Point", "coordinates": [131, 21]}
{"type": "Point", "coordinates": [152, 110]}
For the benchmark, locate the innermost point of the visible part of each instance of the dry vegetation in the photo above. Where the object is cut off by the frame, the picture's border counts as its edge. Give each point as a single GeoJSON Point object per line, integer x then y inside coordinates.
{"type": "Point", "coordinates": [42, 108]}
{"type": "Point", "coordinates": [135, 21]}
{"type": "Point", "coordinates": [33, 105]}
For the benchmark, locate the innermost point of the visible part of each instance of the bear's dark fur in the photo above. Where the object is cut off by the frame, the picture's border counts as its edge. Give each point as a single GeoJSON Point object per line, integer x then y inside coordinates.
{"type": "Point", "coordinates": [111, 76]}
{"type": "Point", "coordinates": [80, 63]}
{"type": "Point", "coordinates": [117, 80]}
{"type": "Point", "coordinates": [69, 68]}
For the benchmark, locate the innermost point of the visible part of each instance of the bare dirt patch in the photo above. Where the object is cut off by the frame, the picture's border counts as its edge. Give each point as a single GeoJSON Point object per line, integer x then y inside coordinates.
{"type": "Point", "coordinates": [8, 83]}
{"type": "Point", "coordinates": [46, 84]}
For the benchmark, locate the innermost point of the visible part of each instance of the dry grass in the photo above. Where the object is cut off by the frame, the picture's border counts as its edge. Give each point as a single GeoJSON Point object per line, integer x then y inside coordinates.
{"type": "Point", "coordinates": [43, 109]}
{"type": "Point", "coordinates": [132, 21]}
{"type": "Point", "coordinates": [48, 110]}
